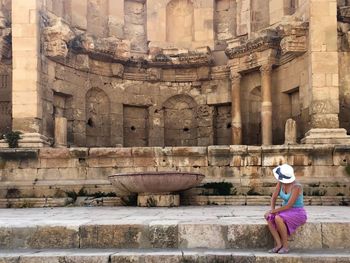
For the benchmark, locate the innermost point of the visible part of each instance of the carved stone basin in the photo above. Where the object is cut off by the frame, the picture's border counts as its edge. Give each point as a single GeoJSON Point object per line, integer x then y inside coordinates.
{"type": "Point", "coordinates": [155, 182]}
{"type": "Point", "coordinates": [156, 188]}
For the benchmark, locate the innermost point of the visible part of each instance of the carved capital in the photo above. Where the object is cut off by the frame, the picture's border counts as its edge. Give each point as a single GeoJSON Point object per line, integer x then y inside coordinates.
{"type": "Point", "coordinates": [235, 76]}
{"type": "Point", "coordinates": [266, 69]}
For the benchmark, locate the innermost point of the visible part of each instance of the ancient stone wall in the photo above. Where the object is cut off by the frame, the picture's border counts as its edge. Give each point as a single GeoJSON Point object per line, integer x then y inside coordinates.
{"type": "Point", "coordinates": [53, 172]}
{"type": "Point", "coordinates": [113, 47]}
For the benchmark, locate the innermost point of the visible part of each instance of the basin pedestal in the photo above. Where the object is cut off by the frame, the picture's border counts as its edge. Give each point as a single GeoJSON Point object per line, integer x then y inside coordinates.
{"type": "Point", "coordinates": [158, 200]}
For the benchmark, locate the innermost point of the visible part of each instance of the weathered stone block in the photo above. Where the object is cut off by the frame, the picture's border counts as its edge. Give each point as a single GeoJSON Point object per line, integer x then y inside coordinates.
{"type": "Point", "coordinates": [219, 155]}
{"type": "Point", "coordinates": [249, 236]}
{"type": "Point", "coordinates": [238, 153]}
{"type": "Point", "coordinates": [274, 155]}
{"type": "Point", "coordinates": [308, 235]}
{"type": "Point", "coordinates": [202, 236]}
{"type": "Point", "coordinates": [253, 156]}
{"type": "Point", "coordinates": [335, 235]}
{"type": "Point", "coordinates": [111, 236]}
{"type": "Point", "coordinates": [163, 234]}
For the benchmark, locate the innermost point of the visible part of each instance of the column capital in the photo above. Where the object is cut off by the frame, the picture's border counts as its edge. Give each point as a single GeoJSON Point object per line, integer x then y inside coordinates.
{"type": "Point", "coordinates": [235, 76]}
{"type": "Point", "coordinates": [266, 68]}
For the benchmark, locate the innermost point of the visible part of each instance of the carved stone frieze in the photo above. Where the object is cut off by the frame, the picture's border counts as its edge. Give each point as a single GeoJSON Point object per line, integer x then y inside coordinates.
{"type": "Point", "coordinates": [110, 48]}
{"type": "Point", "coordinates": [293, 37]}
{"type": "Point", "coordinates": [117, 70]}
{"type": "Point", "coordinates": [56, 37]}
{"type": "Point", "coordinates": [287, 40]}
{"type": "Point", "coordinates": [220, 72]}
{"type": "Point", "coordinates": [254, 45]}
{"type": "Point", "coordinates": [344, 14]}
{"type": "Point", "coordinates": [154, 74]}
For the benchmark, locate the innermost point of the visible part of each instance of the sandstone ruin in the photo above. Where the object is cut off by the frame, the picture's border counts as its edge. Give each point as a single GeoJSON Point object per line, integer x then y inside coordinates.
{"type": "Point", "coordinates": [198, 85]}
{"type": "Point", "coordinates": [174, 73]}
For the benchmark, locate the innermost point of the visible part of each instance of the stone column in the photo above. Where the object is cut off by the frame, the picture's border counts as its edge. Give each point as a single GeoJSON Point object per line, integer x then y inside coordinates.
{"type": "Point", "coordinates": [26, 91]}
{"type": "Point", "coordinates": [236, 123]}
{"type": "Point", "coordinates": [323, 68]}
{"type": "Point", "coordinates": [60, 132]}
{"type": "Point", "coordinates": [266, 105]}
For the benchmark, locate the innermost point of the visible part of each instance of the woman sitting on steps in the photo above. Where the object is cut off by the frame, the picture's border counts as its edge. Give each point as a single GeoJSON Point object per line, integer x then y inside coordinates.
{"type": "Point", "coordinates": [283, 221]}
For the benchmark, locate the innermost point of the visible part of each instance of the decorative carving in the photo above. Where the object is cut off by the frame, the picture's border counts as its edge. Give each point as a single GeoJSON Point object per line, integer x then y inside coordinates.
{"type": "Point", "coordinates": [117, 70]}
{"type": "Point", "coordinates": [266, 69]}
{"type": "Point", "coordinates": [344, 14]}
{"type": "Point", "coordinates": [110, 48]}
{"type": "Point", "coordinates": [267, 41]}
{"type": "Point", "coordinates": [56, 37]}
{"type": "Point", "coordinates": [154, 74]}
{"type": "Point", "coordinates": [235, 76]}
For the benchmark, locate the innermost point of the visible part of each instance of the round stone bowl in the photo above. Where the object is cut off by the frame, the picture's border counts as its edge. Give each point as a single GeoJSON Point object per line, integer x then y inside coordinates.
{"type": "Point", "coordinates": [155, 182]}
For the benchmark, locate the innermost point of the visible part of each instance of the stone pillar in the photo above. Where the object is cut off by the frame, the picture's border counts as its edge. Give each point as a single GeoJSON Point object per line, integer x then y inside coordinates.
{"type": "Point", "coordinates": [323, 75]}
{"type": "Point", "coordinates": [60, 132]}
{"type": "Point", "coordinates": [290, 132]}
{"type": "Point", "coordinates": [266, 105]}
{"type": "Point", "coordinates": [236, 123]}
{"type": "Point", "coordinates": [26, 91]}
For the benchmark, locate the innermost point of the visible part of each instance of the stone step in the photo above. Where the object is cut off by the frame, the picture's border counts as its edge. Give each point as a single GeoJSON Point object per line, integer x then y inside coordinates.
{"type": "Point", "coordinates": [217, 227]}
{"type": "Point", "coordinates": [185, 200]}
{"type": "Point", "coordinates": [172, 256]}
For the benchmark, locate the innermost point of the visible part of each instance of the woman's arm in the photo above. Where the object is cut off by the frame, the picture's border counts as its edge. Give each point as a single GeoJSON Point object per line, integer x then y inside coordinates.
{"type": "Point", "coordinates": [295, 193]}
{"type": "Point", "coordinates": [275, 195]}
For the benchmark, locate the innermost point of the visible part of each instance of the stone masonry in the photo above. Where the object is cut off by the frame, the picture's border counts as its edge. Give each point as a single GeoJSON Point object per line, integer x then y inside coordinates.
{"type": "Point", "coordinates": [163, 70]}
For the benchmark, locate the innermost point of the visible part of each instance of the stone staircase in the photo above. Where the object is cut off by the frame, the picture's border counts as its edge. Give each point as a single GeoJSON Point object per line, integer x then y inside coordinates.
{"type": "Point", "coordinates": [186, 234]}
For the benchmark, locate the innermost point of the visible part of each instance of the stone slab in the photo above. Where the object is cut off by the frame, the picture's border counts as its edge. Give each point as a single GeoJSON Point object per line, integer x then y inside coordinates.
{"type": "Point", "coordinates": [170, 255]}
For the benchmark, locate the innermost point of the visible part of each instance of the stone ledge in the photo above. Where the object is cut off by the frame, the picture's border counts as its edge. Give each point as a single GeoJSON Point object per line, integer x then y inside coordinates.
{"type": "Point", "coordinates": [171, 255]}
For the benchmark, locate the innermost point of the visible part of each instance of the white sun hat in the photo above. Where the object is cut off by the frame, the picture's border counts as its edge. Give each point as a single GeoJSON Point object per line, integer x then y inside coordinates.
{"type": "Point", "coordinates": [284, 173]}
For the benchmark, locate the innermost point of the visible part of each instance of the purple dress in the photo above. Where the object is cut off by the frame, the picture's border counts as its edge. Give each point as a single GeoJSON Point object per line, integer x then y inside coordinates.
{"type": "Point", "coordinates": [293, 217]}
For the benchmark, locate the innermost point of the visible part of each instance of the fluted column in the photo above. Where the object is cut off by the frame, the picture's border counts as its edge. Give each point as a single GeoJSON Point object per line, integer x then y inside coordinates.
{"type": "Point", "coordinates": [266, 105]}
{"type": "Point", "coordinates": [236, 119]}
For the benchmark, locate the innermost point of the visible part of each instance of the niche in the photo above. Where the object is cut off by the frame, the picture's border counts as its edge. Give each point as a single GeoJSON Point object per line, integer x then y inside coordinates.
{"type": "Point", "coordinates": [98, 125]}
{"type": "Point", "coordinates": [180, 121]}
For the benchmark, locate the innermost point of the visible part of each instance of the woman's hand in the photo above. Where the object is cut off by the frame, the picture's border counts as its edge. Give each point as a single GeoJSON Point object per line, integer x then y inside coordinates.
{"type": "Point", "coordinates": [267, 214]}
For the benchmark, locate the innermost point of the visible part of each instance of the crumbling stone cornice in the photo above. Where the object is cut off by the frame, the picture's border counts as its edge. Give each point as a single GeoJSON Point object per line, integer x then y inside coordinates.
{"type": "Point", "coordinates": [253, 45]}
{"type": "Point", "coordinates": [344, 14]}
{"type": "Point", "coordinates": [288, 39]}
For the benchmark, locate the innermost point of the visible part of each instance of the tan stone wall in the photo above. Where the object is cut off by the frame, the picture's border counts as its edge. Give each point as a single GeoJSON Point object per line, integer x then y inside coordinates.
{"type": "Point", "coordinates": [52, 172]}
{"type": "Point", "coordinates": [287, 80]}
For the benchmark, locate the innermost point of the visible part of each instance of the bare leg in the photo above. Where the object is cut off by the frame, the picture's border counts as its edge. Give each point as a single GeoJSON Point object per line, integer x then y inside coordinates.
{"type": "Point", "coordinates": [274, 234]}
{"type": "Point", "coordinates": [282, 230]}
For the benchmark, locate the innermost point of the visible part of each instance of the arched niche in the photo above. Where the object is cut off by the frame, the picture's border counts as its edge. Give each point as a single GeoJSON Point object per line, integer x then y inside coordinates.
{"type": "Point", "coordinates": [179, 21]}
{"type": "Point", "coordinates": [98, 125]}
{"type": "Point", "coordinates": [180, 121]}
